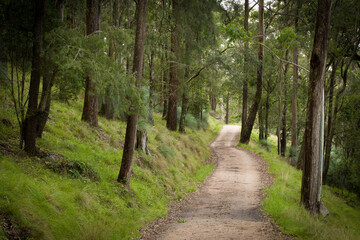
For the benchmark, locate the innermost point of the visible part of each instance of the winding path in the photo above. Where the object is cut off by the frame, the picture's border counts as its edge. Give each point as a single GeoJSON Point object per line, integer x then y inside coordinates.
{"type": "Point", "coordinates": [228, 204]}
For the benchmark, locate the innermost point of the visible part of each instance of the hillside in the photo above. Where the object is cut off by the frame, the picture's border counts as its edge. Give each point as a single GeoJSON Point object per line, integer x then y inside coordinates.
{"type": "Point", "coordinates": [72, 193]}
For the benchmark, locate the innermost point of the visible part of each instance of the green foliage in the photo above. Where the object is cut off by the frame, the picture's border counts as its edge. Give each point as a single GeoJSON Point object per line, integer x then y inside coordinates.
{"type": "Point", "coordinates": [235, 32]}
{"type": "Point", "coordinates": [283, 197]}
{"type": "Point", "coordinates": [80, 198]}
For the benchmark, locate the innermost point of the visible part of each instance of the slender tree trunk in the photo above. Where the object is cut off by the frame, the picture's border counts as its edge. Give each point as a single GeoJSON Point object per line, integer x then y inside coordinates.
{"type": "Point", "coordinates": [279, 110]}
{"type": "Point", "coordinates": [45, 102]}
{"type": "Point", "coordinates": [246, 49]}
{"type": "Point", "coordinates": [283, 139]}
{"type": "Point", "coordinates": [171, 123]}
{"type": "Point", "coordinates": [310, 178]}
{"type": "Point", "coordinates": [246, 130]}
{"type": "Point", "coordinates": [165, 83]}
{"type": "Point", "coordinates": [151, 88]}
{"type": "Point", "coordinates": [261, 122]}
{"type": "Point", "coordinates": [185, 98]}
{"type": "Point", "coordinates": [30, 123]}
{"type": "Point", "coordinates": [329, 133]}
{"type": "Point", "coordinates": [90, 109]}
{"type": "Point", "coordinates": [267, 108]}
{"type": "Point", "coordinates": [227, 109]}
{"type": "Point", "coordinates": [294, 135]}
{"type": "Point", "coordinates": [130, 135]}
{"type": "Point", "coordinates": [3, 58]}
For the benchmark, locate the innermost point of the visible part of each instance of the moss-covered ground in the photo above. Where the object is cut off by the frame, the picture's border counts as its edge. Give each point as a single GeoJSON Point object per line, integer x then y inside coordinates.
{"type": "Point", "coordinates": [77, 196]}
{"type": "Point", "coordinates": [283, 201]}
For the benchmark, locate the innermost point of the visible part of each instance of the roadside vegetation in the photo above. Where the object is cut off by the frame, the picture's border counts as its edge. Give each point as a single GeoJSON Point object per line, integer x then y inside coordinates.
{"type": "Point", "coordinates": [71, 192]}
{"type": "Point", "coordinates": [283, 197]}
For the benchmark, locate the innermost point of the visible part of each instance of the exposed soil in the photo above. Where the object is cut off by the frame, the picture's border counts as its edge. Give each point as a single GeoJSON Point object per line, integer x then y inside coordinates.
{"type": "Point", "coordinates": [228, 204]}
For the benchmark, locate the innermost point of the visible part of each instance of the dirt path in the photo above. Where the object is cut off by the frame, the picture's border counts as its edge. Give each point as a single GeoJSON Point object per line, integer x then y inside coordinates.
{"type": "Point", "coordinates": [227, 205]}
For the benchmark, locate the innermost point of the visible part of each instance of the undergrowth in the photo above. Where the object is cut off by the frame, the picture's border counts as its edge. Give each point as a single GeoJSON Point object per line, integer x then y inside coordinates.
{"type": "Point", "coordinates": [283, 201]}
{"type": "Point", "coordinates": [76, 196]}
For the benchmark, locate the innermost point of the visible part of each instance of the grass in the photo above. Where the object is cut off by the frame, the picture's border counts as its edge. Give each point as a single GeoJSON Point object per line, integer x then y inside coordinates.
{"type": "Point", "coordinates": [52, 204]}
{"type": "Point", "coordinates": [283, 198]}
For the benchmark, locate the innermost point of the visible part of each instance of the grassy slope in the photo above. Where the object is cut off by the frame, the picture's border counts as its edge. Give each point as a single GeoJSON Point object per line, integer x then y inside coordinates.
{"type": "Point", "coordinates": [60, 206]}
{"type": "Point", "coordinates": [283, 197]}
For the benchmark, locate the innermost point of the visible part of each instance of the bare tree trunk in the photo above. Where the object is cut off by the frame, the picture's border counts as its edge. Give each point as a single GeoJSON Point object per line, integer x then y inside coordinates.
{"type": "Point", "coordinates": [329, 135]}
{"type": "Point", "coordinates": [283, 139]}
{"type": "Point", "coordinates": [279, 110]}
{"type": "Point", "coordinates": [30, 124]}
{"type": "Point", "coordinates": [247, 128]}
{"type": "Point", "coordinates": [171, 123]}
{"type": "Point", "coordinates": [130, 135]}
{"type": "Point", "coordinates": [185, 98]}
{"type": "Point", "coordinates": [246, 49]}
{"type": "Point", "coordinates": [310, 178]}
{"type": "Point", "coordinates": [261, 122]}
{"type": "Point", "coordinates": [151, 88]}
{"type": "Point", "coordinates": [294, 135]}
{"type": "Point", "coordinates": [227, 109]}
{"type": "Point", "coordinates": [90, 109]}
{"type": "Point", "coordinates": [267, 108]}
{"type": "Point", "coordinates": [45, 101]}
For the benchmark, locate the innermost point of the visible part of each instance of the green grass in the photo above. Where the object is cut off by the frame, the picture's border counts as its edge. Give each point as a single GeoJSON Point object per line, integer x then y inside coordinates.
{"type": "Point", "coordinates": [283, 198]}
{"type": "Point", "coordinates": [63, 205]}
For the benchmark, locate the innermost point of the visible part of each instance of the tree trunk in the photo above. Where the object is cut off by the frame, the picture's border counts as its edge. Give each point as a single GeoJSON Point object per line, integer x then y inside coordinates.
{"type": "Point", "coordinates": [261, 122]}
{"type": "Point", "coordinates": [294, 135]}
{"type": "Point", "coordinates": [45, 101]}
{"type": "Point", "coordinates": [142, 141]}
{"type": "Point", "coordinates": [329, 133]}
{"type": "Point", "coordinates": [130, 135]}
{"type": "Point", "coordinates": [283, 138]}
{"type": "Point", "coordinates": [267, 108]}
{"type": "Point", "coordinates": [246, 49]}
{"type": "Point", "coordinates": [247, 128]}
{"type": "Point", "coordinates": [171, 123]}
{"type": "Point", "coordinates": [4, 78]}
{"type": "Point", "coordinates": [279, 110]}
{"type": "Point", "coordinates": [90, 109]}
{"type": "Point", "coordinates": [227, 109]}
{"type": "Point", "coordinates": [30, 124]}
{"type": "Point", "coordinates": [184, 107]}
{"type": "Point", "coordinates": [310, 178]}
{"type": "Point", "coordinates": [151, 88]}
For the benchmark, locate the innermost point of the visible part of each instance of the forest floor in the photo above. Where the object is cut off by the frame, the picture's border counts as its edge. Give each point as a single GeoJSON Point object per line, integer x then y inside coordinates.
{"type": "Point", "coordinates": [228, 204]}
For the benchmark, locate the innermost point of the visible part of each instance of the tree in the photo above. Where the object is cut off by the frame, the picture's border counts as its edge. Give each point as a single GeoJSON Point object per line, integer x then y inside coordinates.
{"type": "Point", "coordinates": [247, 128]}
{"type": "Point", "coordinates": [246, 49]}
{"type": "Point", "coordinates": [171, 122]}
{"type": "Point", "coordinates": [130, 135]}
{"type": "Point", "coordinates": [30, 124]}
{"type": "Point", "coordinates": [311, 177]}
{"type": "Point", "coordinates": [90, 109]}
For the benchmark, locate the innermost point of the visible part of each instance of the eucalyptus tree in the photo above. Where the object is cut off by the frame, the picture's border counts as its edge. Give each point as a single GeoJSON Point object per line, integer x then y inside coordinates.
{"type": "Point", "coordinates": [310, 192]}
{"type": "Point", "coordinates": [131, 124]}
{"type": "Point", "coordinates": [247, 128]}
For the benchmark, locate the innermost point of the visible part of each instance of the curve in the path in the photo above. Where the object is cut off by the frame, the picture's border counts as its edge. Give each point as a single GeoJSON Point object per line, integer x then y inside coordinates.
{"type": "Point", "coordinates": [227, 206]}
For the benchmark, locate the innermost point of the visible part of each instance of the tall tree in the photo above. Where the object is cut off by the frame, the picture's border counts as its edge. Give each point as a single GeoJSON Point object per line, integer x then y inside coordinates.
{"type": "Point", "coordinates": [90, 109]}
{"type": "Point", "coordinates": [171, 123]}
{"type": "Point", "coordinates": [29, 131]}
{"type": "Point", "coordinates": [247, 128]}
{"type": "Point", "coordinates": [311, 176]}
{"type": "Point", "coordinates": [246, 49]}
{"type": "Point", "coordinates": [130, 135]}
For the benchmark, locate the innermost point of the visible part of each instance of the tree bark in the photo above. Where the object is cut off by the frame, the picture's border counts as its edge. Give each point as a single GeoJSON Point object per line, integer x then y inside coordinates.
{"type": "Point", "coordinates": [130, 135]}
{"type": "Point", "coordinates": [261, 122]}
{"type": "Point", "coordinates": [45, 101]}
{"type": "Point", "coordinates": [329, 133]}
{"type": "Point", "coordinates": [171, 123]}
{"type": "Point", "coordinates": [247, 128]}
{"type": "Point", "coordinates": [267, 108]}
{"type": "Point", "coordinates": [246, 49]}
{"type": "Point", "coordinates": [30, 124]}
{"type": "Point", "coordinates": [294, 135]}
{"type": "Point", "coordinates": [90, 109]}
{"type": "Point", "coordinates": [227, 109]}
{"type": "Point", "coordinates": [310, 178]}
{"type": "Point", "coordinates": [279, 110]}
{"type": "Point", "coordinates": [185, 98]}
{"type": "Point", "coordinates": [283, 137]}
{"type": "Point", "coordinates": [151, 88]}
